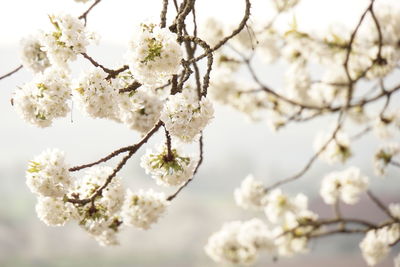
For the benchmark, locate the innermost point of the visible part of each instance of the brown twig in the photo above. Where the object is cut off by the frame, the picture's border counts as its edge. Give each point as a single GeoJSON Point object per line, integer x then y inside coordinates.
{"type": "Point", "coordinates": [163, 14]}
{"type": "Point", "coordinates": [11, 72]}
{"type": "Point", "coordinates": [311, 160]}
{"type": "Point", "coordinates": [86, 13]}
{"type": "Point", "coordinates": [132, 87]}
{"type": "Point", "coordinates": [230, 36]}
{"type": "Point", "coordinates": [379, 204]}
{"type": "Point", "coordinates": [111, 73]}
{"type": "Point", "coordinates": [174, 195]}
{"type": "Point", "coordinates": [170, 155]}
{"type": "Point", "coordinates": [210, 59]}
{"type": "Point", "coordinates": [121, 150]}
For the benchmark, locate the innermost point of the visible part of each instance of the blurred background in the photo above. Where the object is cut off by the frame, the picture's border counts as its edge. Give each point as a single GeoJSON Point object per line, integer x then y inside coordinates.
{"type": "Point", "coordinates": [234, 147]}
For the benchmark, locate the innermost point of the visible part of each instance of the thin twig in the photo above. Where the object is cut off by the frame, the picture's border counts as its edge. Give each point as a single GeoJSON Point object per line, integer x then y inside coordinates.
{"type": "Point", "coordinates": [173, 196]}
{"type": "Point", "coordinates": [86, 13]}
{"type": "Point", "coordinates": [230, 36]}
{"type": "Point", "coordinates": [311, 160]}
{"type": "Point", "coordinates": [378, 203]}
{"type": "Point", "coordinates": [11, 72]}
{"type": "Point", "coordinates": [121, 150]}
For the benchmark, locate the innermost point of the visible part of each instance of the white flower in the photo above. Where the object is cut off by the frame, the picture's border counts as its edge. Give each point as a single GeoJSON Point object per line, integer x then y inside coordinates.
{"type": "Point", "coordinates": [251, 194]}
{"type": "Point", "coordinates": [279, 205]}
{"type": "Point", "coordinates": [394, 209]}
{"type": "Point", "coordinates": [139, 110]}
{"type": "Point", "coordinates": [95, 95]}
{"type": "Point", "coordinates": [212, 31]}
{"type": "Point", "coordinates": [224, 246]}
{"type": "Point", "coordinates": [227, 91]}
{"type": "Point", "coordinates": [386, 126]}
{"type": "Point", "coordinates": [384, 156]}
{"type": "Point", "coordinates": [390, 58]}
{"type": "Point", "coordinates": [374, 247]}
{"type": "Point", "coordinates": [112, 197]}
{"type": "Point", "coordinates": [69, 39]}
{"type": "Point", "coordinates": [101, 219]}
{"type": "Point", "coordinates": [284, 5]}
{"type": "Point", "coordinates": [166, 171]}
{"type": "Point", "coordinates": [346, 185]}
{"type": "Point", "coordinates": [391, 232]}
{"type": "Point", "coordinates": [353, 184]}
{"type": "Point", "coordinates": [296, 48]}
{"type": "Point", "coordinates": [301, 223]}
{"type": "Point", "coordinates": [144, 208]}
{"type": "Point", "coordinates": [32, 55]}
{"type": "Point", "coordinates": [276, 119]}
{"type": "Point", "coordinates": [390, 17]}
{"type": "Point", "coordinates": [255, 233]}
{"type": "Point", "coordinates": [337, 150]}
{"type": "Point", "coordinates": [53, 211]}
{"type": "Point", "coordinates": [292, 235]}
{"type": "Point", "coordinates": [184, 116]}
{"type": "Point", "coordinates": [154, 55]}
{"type": "Point", "coordinates": [330, 187]}
{"type": "Point", "coordinates": [268, 46]}
{"type": "Point", "coordinates": [289, 244]}
{"type": "Point", "coordinates": [44, 99]}
{"type": "Point", "coordinates": [107, 237]}
{"type": "Point", "coordinates": [103, 229]}
{"type": "Point", "coordinates": [48, 174]}
{"type": "Point", "coordinates": [298, 82]}
{"type": "Point", "coordinates": [333, 86]}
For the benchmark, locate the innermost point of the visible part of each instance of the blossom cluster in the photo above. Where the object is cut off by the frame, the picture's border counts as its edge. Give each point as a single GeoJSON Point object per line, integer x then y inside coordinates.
{"type": "Point", "coordinates": [95, 95]}
{"type": "Point", "coordinates": [346, 185]}
{"type": "Point", "coordinates": [376, 244]}
{"type": "Point", "coordinates": [185, 117]}
{"type": "Point", "coordinates": [44, 99]}
{"type": "Point", "coordinates": [139, 96]}
{"type": "Point", "coordinates": [105, 214]}
{"type": "Point", "coordinates": [383, 157]}
{"type": "Point", "coordinates": [168, 169]}
{"type": "Point", "coordinates": [154, 55]}
{"type": "Point", "coordinates": [237, 242]}
{"type": "Point", "coordinates": [288, 225]}
{"type": "Point", "coordinates": [284, 232]}
{"type": "Point", "coordinates": [68, 38]}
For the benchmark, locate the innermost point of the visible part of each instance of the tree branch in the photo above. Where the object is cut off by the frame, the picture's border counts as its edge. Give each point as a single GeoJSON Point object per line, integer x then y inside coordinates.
{"type": "Point", "coordinates": [11, 72]}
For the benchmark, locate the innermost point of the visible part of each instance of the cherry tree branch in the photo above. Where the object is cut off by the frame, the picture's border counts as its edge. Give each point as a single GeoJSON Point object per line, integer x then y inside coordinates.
{"type": "Point", "coordinates": [311, 160]}
{"type": "Point", "coordinates": [163, 14]}
{"type": "Point", "coordinates": [240, 27]}
{"type": "Point", "coordinates": [133, 148]}
{"type": "Point", "coordinates": [379, 204]}
{"type": "Point", "coordinates": [86, 13]}
{"type": "Point", "coordinates": [11, 72]}
{"type": "Point", "coordinates": [174, 195]}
